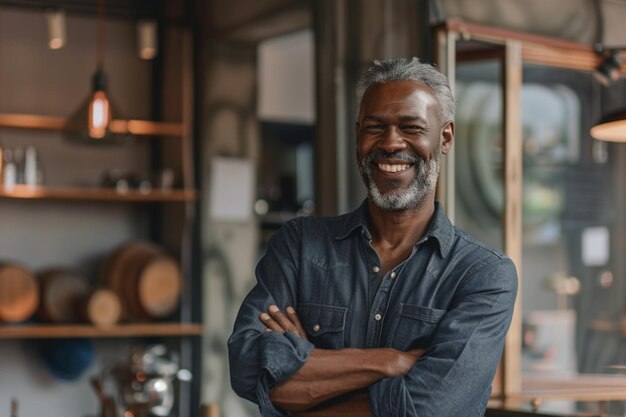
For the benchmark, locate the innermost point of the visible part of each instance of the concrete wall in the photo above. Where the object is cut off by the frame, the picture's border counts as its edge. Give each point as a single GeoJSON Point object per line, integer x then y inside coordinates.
{"type": "Point", "coordinates": [229, 248]}
{"type": "Point", "coordinates": [246, 83]}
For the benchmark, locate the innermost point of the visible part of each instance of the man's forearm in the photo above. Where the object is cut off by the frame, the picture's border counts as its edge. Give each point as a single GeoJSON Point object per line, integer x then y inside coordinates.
{"type": "Point", "coordinates": [357, 405]}
{"type": "Point", "coordinates": [330, 373]}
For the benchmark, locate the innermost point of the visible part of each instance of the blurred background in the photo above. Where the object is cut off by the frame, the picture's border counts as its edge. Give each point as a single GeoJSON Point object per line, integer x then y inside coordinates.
{"type": "Point", "coordinates": [150, 149]}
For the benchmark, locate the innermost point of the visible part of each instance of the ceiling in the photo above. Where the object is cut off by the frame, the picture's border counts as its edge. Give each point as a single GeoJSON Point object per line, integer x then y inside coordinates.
{"type": "Point", "coordinates": [583, 21]}
{"type": "Point", "coordinates": [130, 9]}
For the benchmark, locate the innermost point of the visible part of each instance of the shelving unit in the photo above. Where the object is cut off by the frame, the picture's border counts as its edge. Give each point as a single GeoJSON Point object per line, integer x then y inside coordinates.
{"type": "Point", "coordinates": [165, 217]}
{"type": "Point", "coordinates": [146, 128]}
{"type": "Point", "coordinates": [46, 331]}
{"type": "Point", "coordinates": [24, 192]}
{"type": "Point", "coordinates": [134, 127]}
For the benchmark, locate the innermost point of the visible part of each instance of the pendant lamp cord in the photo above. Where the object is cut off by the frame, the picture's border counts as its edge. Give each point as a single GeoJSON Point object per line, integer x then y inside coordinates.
{"type": "Point", "coordinates": [100, 50]}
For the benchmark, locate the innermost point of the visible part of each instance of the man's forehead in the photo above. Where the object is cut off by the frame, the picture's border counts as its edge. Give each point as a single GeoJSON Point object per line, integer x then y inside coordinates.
{"type": "Point", "coordinates": [403, 93]}
{"type": "Point", "coordinates": [400, 117]}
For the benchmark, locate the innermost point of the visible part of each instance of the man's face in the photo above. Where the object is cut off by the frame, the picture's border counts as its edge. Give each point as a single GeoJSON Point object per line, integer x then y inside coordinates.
{"type": "Point", "coordinates": [400, 139]}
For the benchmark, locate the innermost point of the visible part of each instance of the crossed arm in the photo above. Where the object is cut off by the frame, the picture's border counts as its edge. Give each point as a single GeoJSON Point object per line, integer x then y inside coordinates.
{"type": "Point", "coordinates": [328, 374]}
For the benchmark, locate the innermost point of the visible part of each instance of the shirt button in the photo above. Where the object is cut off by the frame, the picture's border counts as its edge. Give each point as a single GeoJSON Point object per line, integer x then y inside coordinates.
{"type": "Point", "coordinates": [393, 274]}
{"type": "Point", "coordinates": [316, 328]}
{"type": "Point", "coordinates": [378, 316]}
{"type": "Point", "coordinates": [376, 269]}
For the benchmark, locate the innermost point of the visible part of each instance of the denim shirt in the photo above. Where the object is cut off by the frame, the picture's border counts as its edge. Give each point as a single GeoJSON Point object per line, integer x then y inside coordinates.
{"type": "Point", "coordinates": [452, 296]}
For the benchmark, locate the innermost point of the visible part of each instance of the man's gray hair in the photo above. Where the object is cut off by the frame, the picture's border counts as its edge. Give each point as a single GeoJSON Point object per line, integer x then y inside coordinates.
{"type": "Point", "coordinates": [408, 69]}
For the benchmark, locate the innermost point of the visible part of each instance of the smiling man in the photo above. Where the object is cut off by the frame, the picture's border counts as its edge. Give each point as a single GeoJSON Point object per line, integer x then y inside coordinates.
{"type": "Point", "coordinates": [389, 310]}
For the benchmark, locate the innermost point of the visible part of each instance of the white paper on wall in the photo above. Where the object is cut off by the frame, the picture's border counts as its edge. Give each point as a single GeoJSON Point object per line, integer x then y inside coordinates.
{"type": "Point", "coordinates": [232, 182]}
{"type": "Point", "coordinates": [595, 246]}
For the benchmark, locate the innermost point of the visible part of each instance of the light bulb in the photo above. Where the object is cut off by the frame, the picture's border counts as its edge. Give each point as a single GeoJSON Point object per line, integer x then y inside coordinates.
{"type": "Point", "coordinates": [99, 115]}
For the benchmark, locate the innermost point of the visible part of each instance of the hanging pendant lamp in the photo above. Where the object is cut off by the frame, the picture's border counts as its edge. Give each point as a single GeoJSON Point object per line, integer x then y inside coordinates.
{"type": "Point", "coordinates": [91, 122]}
{"type": "Point", "coordinates": [612, 127]}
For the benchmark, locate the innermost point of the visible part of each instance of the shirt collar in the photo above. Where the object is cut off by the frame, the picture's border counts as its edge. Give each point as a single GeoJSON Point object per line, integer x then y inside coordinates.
{"type": "Point", "coordinates": [358, 219]}
{"type": "Point", "coordinates": [441, 229]}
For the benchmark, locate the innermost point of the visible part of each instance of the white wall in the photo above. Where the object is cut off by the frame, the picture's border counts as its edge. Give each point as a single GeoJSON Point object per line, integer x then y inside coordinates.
{"type": "Point", "coordinates": [287, 79]}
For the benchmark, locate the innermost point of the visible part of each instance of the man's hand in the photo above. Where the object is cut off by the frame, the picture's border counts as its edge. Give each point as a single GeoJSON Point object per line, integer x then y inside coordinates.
{"type": "Point", "coordinates": [277, 321]}
{"type": "Point", "coordinates": [401, 362]}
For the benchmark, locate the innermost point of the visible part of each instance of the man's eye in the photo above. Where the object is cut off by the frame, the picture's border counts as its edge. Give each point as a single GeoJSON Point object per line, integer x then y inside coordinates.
{"type": "Point", "coordinates": [374, 128]}
{"type": "Point", "coordinates": [411, 128]}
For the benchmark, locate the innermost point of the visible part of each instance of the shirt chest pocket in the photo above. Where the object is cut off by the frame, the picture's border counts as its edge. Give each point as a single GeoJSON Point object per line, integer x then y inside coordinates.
{"type": "Point", "coordinates": [413, 327]}
{"type": "Point", "coordinates": [324, 324]}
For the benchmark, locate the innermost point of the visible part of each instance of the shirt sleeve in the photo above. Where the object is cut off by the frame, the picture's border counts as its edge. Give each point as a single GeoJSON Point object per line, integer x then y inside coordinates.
{"type": "Point", "coordinates": [453, 378]}
{"type": "Point", "coordinates": [259, 359]}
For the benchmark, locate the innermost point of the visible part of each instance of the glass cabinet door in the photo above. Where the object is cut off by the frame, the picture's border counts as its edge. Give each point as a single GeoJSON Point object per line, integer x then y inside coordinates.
{"type": "Point", "coordinates": [571, 242]}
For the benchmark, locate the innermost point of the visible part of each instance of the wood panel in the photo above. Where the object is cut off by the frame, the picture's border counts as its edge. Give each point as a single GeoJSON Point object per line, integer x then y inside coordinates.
{"type": "Point", "coordinates": [536, 49]}
{"type": "Point", "coordinates": [513, 152]}
{"type": "Point", "coordinates": [25, 192]}
{"type": "Point", "coordinates": [446, 60]}
{"type": "Point", "coordinates": [123, 330]}
{"type": "Point", "coordinates": [135, 127]}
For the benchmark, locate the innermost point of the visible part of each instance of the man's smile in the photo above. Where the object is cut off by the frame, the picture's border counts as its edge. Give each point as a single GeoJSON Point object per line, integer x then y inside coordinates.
{"type": "Point", "coordinates": [393, 168]}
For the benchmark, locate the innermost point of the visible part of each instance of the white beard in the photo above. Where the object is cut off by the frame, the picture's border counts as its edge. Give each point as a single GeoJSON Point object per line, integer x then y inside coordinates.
{"type": "Point", "coordinates": [397, 199]}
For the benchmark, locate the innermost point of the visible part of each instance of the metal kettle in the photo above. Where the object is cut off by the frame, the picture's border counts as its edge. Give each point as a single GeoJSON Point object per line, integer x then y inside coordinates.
{"type": "Point", "coordinates": [144, 386]}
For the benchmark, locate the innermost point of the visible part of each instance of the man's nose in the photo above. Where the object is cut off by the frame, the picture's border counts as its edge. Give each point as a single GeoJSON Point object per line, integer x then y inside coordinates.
{"type": "Point", "coordinates": [393, 140]}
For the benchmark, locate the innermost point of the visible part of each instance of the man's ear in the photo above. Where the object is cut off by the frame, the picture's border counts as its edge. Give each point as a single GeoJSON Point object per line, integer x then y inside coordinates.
{"type": "Point", "coordinates": [447, 137]}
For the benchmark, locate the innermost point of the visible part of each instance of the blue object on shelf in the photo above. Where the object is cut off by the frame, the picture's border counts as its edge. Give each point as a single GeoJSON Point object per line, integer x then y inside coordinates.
{"type": "Point", "coordinates": [66, 359]}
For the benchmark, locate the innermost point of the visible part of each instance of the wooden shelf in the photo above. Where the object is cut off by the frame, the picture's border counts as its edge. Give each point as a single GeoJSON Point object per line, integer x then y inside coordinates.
{"type": "Point", "coordinates": [53, 331]}
{"type": "Point", "coordinates": [537, 389]}
{"type": "Point", "coordinates": [135, 127]}
{"type": "Point", "coordinates": [24, 192]}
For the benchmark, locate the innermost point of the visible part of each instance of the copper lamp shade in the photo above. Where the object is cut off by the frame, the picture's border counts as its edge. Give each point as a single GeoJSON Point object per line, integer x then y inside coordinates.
{"type": "Point", "coordinates": [611, 128]}
{"type": "Point", "coordinates": [90, 123]}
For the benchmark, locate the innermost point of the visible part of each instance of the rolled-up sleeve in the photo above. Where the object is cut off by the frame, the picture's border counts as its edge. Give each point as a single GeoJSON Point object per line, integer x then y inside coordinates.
{"type": "Point", "coordinates": [259, 359]}
{"type": "Point", "coordinates": [453, 377]}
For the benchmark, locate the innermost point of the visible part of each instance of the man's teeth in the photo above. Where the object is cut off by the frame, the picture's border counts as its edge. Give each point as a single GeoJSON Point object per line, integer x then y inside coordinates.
{"type": "Point", "coordinates": [393, 167]}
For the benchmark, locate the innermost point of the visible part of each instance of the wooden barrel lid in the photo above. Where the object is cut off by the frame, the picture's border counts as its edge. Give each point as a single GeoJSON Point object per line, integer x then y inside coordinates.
{"type": "Point", "coordinates": [132, 269]}
{"type": "Point", "coordinates": [117, 273]}
{"type": "Point", "coordinates": [103, 308]}
{"type": "Point", "coordinates": [60, 290]}
{"type": "Point", "coordinates": [159, 287]}
{"type": "Point", "coordinates": [19, 293]}
{"type": "Point", "coordinates": [113, 270]}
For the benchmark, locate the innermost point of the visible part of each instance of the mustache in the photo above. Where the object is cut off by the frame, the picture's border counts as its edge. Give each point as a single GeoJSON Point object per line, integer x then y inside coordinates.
{"type": "Point", "coordinates": [378, 155]}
